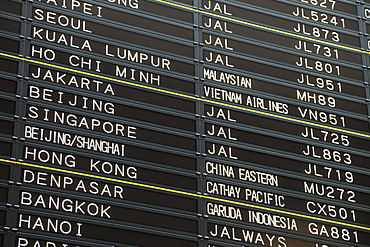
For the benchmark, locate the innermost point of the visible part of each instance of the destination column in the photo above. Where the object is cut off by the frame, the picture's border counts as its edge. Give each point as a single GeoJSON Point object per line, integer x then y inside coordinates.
{"type": "Point", "coordinates": [109, 156]}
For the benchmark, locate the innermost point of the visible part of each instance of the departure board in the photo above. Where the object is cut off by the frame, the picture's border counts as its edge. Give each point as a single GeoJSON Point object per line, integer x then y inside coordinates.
{"type": "Point", "coordinates": [187, 123]}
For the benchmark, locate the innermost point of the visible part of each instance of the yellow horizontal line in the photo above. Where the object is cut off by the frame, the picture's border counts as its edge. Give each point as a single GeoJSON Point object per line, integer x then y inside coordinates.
{"type": "Point", "coordinates": [190, 194]}
{"type": "Point", "coordinates": [262, 27]}
{"type": "Point", "coordinates": [189, 96]}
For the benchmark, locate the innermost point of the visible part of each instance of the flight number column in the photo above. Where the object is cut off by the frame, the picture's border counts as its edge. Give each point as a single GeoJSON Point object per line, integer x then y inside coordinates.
{"type": "Point", "coordinates": [331, 18]}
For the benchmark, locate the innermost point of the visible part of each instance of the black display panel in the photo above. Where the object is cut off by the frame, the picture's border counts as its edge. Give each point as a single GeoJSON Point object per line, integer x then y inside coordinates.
{"type": "Point", "coordinates": [124, 170]}
{"type": "Point", "coordinates": [6, 150]}
{"type": "Point", "coordinates": [83, 82]}
{"type": "Point", "coordinates": [131, 19]}
{"type": "Point", "coordinates": [8, 86]}
{"type": "Point", "coordinates": [29, 240]}
{"type": "Point", "coordinates": [14, 7]}
{"type": "Point", "coordinates": [9, 25]}
{"type": "Point", "coordinates": [256, 174]}
{"type": "Point", "coordinates": [277, 23]}
{"type": "Point", "coordinates": [37, 110]}
{"type": "Point", "coordinates": [99, 232]}
{"type": "Point", "coordinates": [4, 194]}
{"type": "Point", "coordinates": [270, 52]}
{"type": "Point", "coordinates": [202, 123]}
{"type": "Point", "coordinates": [9, 66]}
{"type": "Point", "coordinates": [5, 168]}
{"type": "Point", "coordinates": [306, 81]}
{"type": "Point", "coordinates": [2, 216]}
{"type": "Point", "coordinates": [105, 212]}
{"type": "Point", "coordinates": [295, 28]}
{"type": "Point", "coordinates": [301, 64]}
{"type": "Point", "coordinates": [323, 5]}
{"type": "Point", "coordinates": [111, 31]}
{"type": "Point", "coordinates": [10, 45]}
{"type": "Point", "coordinates": [247, 236]}
{"type": "Point", "coordinates": [122, 53]}
{"type": "Point", "coordinates": [104, 189]}
{"type": "Point", "coordinates": [7, 127]}
{"type": "Point", "coordinates": [107, 127]}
